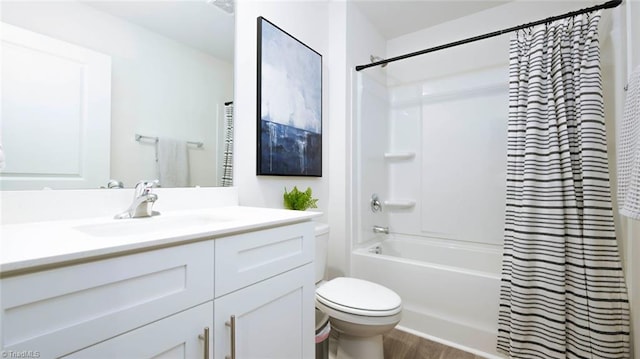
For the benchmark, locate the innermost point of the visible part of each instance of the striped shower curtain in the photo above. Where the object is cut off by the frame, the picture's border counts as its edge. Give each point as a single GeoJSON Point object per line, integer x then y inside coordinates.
{"type": "Point", "coordinates": [562, 293]}
{"type": "Point", "coordinates": [227, 161]}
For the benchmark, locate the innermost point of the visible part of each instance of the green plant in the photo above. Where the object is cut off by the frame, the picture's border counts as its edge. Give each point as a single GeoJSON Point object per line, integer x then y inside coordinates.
{"type": "Point", "coordinates": [299, 200]}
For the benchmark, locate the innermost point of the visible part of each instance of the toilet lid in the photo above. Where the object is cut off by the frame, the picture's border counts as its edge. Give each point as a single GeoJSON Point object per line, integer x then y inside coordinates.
{"type": "Point", "coordinates": [359, 296]}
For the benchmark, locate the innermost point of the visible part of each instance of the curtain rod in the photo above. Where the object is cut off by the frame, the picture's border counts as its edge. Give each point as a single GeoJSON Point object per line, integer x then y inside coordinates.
{"type": "Point", "coordinates": [607, 5]}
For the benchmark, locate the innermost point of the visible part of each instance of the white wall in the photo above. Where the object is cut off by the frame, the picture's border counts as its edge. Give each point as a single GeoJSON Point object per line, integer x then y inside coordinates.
{"type": "Point", "coordinates": [309, 23]}
{"type": "Point", "coordinates": [159, 87]}
{"type": "Point", "coordinates": [322, 25]}
{"type": "Point", "coordinates": [340, 215]}
{"type": "Point", "coordinates": [364, 40]}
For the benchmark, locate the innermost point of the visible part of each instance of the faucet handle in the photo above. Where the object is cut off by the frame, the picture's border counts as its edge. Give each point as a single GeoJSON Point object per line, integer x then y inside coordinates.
{"type": "Point", "coordinates": [148, 184]}
{"type": "Point", "coordinates": [115, 184]}
{"type": "Point", "coordinates": [144, 187]}
{"type": "Point", "coordinates": [376, 206]}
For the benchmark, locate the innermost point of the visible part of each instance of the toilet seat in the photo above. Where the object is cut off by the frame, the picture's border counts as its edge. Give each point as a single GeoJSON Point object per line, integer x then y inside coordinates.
{"type": "Point", "coordinates": [359, 297]}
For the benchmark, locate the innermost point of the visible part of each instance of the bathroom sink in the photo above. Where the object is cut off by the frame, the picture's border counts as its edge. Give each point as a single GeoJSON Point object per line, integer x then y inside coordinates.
{"type": "Point", "coordinates": [147, 225]}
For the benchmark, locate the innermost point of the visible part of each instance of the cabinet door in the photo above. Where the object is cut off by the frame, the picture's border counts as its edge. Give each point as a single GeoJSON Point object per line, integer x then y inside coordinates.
{"type": "Point", "coordinates": [274, 319]}
{"type": "Point", "coordinates": [176, 336]}
{"type": "Point", "coordinates": [58, 311]}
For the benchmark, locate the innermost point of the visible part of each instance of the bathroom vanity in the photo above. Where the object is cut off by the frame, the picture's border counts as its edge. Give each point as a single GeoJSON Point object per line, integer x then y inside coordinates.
{"type": "Point", "coordinates": [205, 283]}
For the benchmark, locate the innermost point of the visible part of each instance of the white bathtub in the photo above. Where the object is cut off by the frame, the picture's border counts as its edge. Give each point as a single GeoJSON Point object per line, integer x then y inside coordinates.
{"type": "Point", "coordinates": [450, 292]}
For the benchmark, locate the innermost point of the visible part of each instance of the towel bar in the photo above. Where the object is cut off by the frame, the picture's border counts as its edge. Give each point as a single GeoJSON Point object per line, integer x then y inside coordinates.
{"type": "Point", "coordinates": [155, 139]}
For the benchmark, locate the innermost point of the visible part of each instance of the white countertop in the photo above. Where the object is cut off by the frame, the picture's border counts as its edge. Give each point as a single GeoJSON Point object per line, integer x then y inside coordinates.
{"type": "Point", "coordinates": [28, 246]}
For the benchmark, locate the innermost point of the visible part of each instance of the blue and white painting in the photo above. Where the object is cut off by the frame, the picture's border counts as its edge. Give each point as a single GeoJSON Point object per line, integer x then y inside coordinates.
{"type": "Point", "coordinates": [289, 105]}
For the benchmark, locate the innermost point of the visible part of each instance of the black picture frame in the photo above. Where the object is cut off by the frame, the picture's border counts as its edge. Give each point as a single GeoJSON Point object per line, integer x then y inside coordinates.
{"type": "Point", "coordinates": [289, 105]}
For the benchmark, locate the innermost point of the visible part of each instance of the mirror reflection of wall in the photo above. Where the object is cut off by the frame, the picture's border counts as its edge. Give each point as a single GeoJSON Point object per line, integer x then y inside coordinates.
{"type": "Point", "coordinates": [171, 75]}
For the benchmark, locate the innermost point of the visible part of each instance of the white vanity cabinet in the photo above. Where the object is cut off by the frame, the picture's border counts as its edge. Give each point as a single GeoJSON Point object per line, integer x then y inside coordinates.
{"type": "Point", "coordinates": [265, 281]}
{"type": "Point", "coordinates": [59, 311]}
{"type": "Point", "coordinates": [157, 303]}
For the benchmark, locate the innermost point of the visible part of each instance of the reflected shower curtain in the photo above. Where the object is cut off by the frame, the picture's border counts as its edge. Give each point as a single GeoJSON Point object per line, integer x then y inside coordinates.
{"type": "Point", "coordinates": [227, 161]}
{"type": "Point", "coordinates": [562, 292]}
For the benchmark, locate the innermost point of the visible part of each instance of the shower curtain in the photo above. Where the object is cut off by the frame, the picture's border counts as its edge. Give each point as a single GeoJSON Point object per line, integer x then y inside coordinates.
{"type": "Point", "coordinates": [562, 293]}
{"type": "Point", "coordinates": [227, 164]}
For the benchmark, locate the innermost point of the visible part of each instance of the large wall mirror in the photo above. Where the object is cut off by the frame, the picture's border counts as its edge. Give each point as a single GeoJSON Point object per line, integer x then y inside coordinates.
{"type": "Point", "coordinates": [148, 69]}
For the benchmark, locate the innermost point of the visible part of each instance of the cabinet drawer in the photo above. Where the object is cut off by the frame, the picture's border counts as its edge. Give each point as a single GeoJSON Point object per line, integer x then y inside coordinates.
{"type": "Point", "coordinates": [248, 258]}
{"type": "Point", "coordinates": [59, 311]}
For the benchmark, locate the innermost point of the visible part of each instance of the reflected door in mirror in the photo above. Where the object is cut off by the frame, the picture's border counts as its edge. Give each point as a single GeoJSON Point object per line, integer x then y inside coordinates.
{"type": "Point", "coordinates": [56, 100]}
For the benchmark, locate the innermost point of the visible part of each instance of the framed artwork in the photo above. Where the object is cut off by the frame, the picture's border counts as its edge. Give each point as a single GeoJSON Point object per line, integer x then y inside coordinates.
{"type": "Point", "coordinates": [289, 105]}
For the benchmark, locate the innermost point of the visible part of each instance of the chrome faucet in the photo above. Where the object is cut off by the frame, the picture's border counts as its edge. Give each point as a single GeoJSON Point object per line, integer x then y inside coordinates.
{"type": "Point", "coordinates": [376, 206]}
{"type": "Point", "coordinates": [143, 199]}
{"type": "Point", "coordinates": [380, 229]}
{"type": "Point", "coordinates": [114, 184]}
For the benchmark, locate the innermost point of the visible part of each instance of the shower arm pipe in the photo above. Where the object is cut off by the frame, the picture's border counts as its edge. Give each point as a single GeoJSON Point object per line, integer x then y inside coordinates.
{"type": "Point", "coordinates": [608, 5]}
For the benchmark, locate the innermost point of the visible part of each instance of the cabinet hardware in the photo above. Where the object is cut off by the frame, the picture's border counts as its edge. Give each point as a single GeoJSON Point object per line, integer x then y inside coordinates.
{"type": "Point", "coordinates": [232, 325]}
{"type": "Point", "coordinates": [205, 337]}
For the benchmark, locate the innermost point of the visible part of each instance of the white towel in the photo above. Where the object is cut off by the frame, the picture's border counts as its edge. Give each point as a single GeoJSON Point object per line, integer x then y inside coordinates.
{"type": "Point", "coordinates": [629, 151]}
{"type": "Point", "coordinates": [172, 162]}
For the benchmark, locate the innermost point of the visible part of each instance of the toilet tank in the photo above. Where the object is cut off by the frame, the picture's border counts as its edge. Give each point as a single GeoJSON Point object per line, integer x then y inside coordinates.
{"type": "Point", "coordinates": [322, 250]}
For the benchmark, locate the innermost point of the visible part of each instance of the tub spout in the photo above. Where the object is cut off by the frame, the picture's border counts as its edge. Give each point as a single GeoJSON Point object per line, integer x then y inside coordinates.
{"type": "Point", "coordinates": [380, 229]}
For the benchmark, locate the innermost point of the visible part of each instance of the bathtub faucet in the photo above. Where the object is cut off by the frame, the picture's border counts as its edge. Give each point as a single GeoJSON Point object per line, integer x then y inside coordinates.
{"type": "Point", "coordinates": [380, 229]}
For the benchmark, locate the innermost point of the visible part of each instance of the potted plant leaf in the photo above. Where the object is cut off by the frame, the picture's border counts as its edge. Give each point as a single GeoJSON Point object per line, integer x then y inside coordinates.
{"type": "Point", "coordinates": [298, 200]}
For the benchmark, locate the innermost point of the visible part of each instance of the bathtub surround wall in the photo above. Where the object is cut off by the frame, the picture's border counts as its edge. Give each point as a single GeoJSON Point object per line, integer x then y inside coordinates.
{"type": "Point", "coordinates": [372, 144]}
{"type": "Point", "coordinates": [452, 124]}
{"type": "Point", "coordinates": [432, 226]}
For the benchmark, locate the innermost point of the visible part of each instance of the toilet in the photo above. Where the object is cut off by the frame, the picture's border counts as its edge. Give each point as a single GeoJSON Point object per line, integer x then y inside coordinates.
{"type": "Point", "coordinates": [359, 310]}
